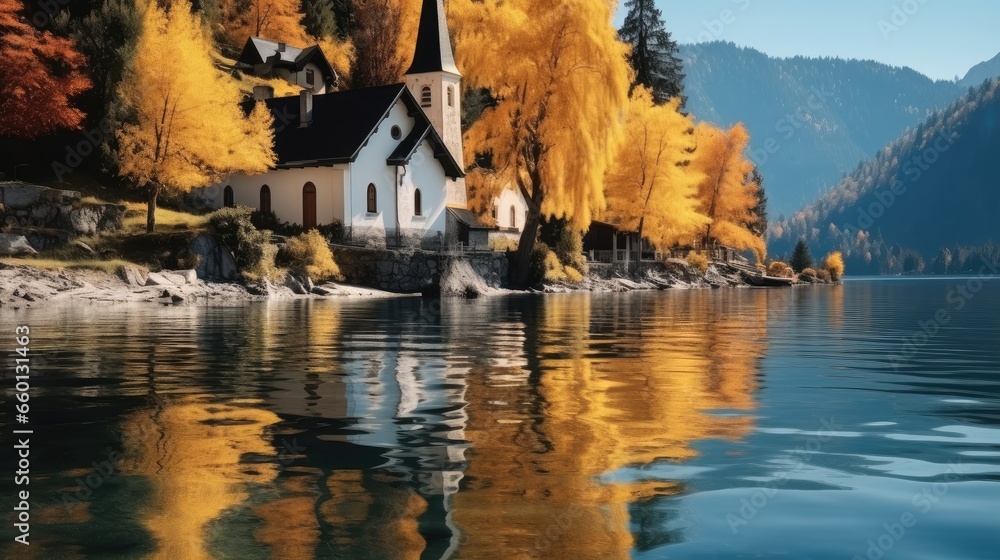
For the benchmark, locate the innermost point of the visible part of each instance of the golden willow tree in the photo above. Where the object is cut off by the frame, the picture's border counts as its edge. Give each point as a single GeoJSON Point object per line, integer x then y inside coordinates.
{"type": "Point", "coordinates": [277, 20]}
{"type": "Point", "coordinates": [651, 188]}
{"type": "Point", "coordinates": [561, 80]}
{"type": "Point", "coordinates": [726, 194]}
{"type": "Point", "coordinates": [187, 129]}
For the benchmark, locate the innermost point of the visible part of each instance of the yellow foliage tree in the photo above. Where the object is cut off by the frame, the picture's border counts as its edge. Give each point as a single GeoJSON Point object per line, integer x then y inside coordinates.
{"type": "Point", "coordinates": [651, 189]}
{"type": "Point", "coordinates": [726, 193]}
{"type": "Point", "coordinates": [277, 20]}
{"type": "Point", "coordinates": [188, 129]}
{"type": "Point", "coordinates": [561, 89]}
{"type": "Point", "coordinates": [834, 264]}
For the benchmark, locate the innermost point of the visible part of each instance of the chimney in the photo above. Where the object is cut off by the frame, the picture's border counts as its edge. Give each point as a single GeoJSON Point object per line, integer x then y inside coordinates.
{"type": "Point", "coordinates": [305, 108]}
{"type": "Point", "coordinates": [260, 93]}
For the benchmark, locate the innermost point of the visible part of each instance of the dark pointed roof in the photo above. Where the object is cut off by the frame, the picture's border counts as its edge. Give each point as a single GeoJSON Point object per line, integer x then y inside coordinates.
{"type": "Point", "coordinates": [433, 52]}
{"type": "Point", "coordinates": [342, 124]}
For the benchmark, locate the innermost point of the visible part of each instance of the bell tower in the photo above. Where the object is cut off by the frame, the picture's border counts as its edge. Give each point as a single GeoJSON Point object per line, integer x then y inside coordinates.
{"type": "Point", "coordinates": [434, 80]}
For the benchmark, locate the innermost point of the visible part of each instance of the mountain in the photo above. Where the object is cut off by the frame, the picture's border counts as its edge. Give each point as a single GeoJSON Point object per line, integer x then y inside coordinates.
{"type": "Point", "coordinates": [928, 202]}
{"type": "Point", "coordinates": [811, 120]}
{"type": "Point", "coordinates": [982, 72]}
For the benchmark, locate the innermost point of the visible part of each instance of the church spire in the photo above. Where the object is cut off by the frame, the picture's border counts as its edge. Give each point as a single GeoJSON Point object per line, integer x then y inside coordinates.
{"type": "Point", "coordinates": [433, 52]}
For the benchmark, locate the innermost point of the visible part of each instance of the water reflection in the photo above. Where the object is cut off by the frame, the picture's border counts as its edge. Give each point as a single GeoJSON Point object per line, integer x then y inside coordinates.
{"type": "Point", "coordinates": [569, 426]}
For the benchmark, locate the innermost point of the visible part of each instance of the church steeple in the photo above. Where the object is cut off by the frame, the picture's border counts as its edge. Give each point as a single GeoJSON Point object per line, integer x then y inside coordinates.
{"type": "Point", "coordinates": [433, 52]}
{"type": "Point", "coordinates": [435, 82]}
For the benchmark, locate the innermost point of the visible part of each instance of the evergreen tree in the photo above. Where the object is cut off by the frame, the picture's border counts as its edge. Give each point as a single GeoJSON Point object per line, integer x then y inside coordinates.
{"type": "Point", "coordinates": [319, 19]}
{"type": "Point", "coordinates": [758, 224]}
{"type": "Point", "coordinates": [801, 258]}
{"type": "Point", "coordinates": [654, 54]}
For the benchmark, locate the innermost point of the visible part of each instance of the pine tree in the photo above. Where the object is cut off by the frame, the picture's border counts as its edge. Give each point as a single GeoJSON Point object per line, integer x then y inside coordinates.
{"type": "Point", "coordinates": [319, 19]}
{"type": "Point", "coordinates": [801, 258]}
{"type": "Point", "coordinates": [654, 54]}
{"type": "Point", "coordinates": [758, 225]}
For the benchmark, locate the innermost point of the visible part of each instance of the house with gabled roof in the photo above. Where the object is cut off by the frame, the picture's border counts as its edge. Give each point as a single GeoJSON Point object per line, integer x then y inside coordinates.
{"type": "Point", "coordinates": [306, 67]}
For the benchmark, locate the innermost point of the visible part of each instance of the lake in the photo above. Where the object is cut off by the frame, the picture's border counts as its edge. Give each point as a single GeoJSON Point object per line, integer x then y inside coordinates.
{"type": "Point", "coordinates": [853, 421]}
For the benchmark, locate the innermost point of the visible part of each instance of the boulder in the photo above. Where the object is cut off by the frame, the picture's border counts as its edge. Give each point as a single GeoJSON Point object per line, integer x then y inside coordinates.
{"type": "Point", "coordinates": [171, 278]}
{"type": "Point", "coordinates": [215, 260]}
{"type": "Point", "coordinates": [12, 245]}
{"type": "Point", "coordinates": [132, 275]}
{"type": "Point", "coordinates": [89, 219]}
{"type": "Point", "coordinates": [293, 284]}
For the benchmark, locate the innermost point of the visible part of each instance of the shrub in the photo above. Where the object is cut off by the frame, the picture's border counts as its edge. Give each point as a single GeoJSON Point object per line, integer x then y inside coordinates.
{"type": "Point", "coordinates": [807, 275]}
{"type": "Point", "coordinates": [573, 276]}
{"type": "Point", "coordinates": [834, 264]}
{"type": "Point", "coordinates": [248, 244]}
{"type": "Point", "coordinates": [309, 255]}
{"type": "Point", "coordinates": [697, 260]}
{"type": "Point", "coordinates": [824, 275]}
{"type": "Point", "coordinates": [553, 269]}
{"type": "Point", "coordinates": [503, 244]}
{"type": "Point", "coordinates": [569, 249]}
{"type": "Point", "coordinates": [779, 269]}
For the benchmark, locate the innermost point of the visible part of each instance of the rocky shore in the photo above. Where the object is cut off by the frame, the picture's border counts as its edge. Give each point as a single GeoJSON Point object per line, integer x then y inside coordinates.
{"type": "Point", "coordinates": [24, 286]}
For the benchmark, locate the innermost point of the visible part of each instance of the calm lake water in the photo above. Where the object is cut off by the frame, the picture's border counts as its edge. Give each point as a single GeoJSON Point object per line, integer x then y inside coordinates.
{"type": "Point", "coordinates": [860, 420]}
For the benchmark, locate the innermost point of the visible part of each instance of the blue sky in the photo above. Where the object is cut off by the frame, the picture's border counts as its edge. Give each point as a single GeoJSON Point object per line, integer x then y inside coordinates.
{"type": "Point", "coordinates": [940, 38]}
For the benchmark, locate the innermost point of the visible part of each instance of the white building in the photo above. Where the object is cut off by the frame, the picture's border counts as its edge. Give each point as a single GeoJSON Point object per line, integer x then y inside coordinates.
{"type": "Point", "coordinates": [386, 161]}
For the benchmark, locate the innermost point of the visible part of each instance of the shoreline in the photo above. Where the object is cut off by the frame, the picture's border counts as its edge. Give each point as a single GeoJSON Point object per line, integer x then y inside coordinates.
{"type": "Point", "coordinates": [23, 286]}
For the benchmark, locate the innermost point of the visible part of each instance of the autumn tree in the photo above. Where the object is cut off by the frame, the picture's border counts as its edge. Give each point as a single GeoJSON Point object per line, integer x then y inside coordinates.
{"type": "Point", "coordinates": [188, 128]}
{"type": "Point", "coordinates": [277, 20]}
{"type": "Point", "coordinates": [39, 76]}
{"type": "Point", "coordinates": [726, 195]}
{"type": "Point", "coordinates": [651, 187]}
{"type": "Point", "coordinates": [654, 55]}
{"type": "Point", "coordinates": [560, 81]}
{"type": "Point", "coordinates": [383, 35]}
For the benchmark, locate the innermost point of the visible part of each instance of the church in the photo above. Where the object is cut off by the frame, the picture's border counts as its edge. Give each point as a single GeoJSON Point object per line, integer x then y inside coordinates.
{"type": "Point", "coordinates": [385, 161]}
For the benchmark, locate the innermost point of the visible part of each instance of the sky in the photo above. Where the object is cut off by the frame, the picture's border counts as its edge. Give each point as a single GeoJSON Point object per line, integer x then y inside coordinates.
{"type": "Point", "coordinates": [939, 38]}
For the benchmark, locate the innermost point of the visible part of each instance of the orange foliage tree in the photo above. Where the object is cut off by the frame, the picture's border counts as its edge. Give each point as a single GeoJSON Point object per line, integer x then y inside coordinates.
{"type": "Point", "coordinates": [277, 20]}
{"type": "Point", "coordinates": [39, 75]}
{"type": "Point", "coordinates": [561, 80]}
{"type": "Point", "coordinates": [651, 188]}
{"type": "Point", "coordinates": [188, 129]}
{"type": "Point", "coordinates": [727, 196]}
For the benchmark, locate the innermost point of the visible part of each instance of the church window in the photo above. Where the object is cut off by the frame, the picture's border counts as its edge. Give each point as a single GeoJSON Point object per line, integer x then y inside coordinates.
{"type": "Point", "coordinates": [265, 199]}
{"type": "Point", "coordinates": [513, 216]}
{"type": "Point", "coordinates": [418, 203]}
{"type": "Point", "coordinates": [227, 197]}
{"type": "Point", "coordinates": [451, 96]}
{"type": "Point", "coordinates": [397, 133]}
{"type": "Point", "coordinates": [372, 199]}
{"type": "Point", "coordinates": [425, 96]}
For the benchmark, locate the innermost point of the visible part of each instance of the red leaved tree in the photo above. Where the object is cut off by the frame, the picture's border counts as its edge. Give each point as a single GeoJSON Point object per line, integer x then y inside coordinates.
{"type": "Point", "coordinates": [39, 74]}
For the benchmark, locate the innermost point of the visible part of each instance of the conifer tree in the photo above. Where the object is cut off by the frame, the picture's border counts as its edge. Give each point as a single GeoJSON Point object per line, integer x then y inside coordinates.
{"type": "Point", "coordinates": [758, 225]}
{"type": "Point", "coordinates": [654, 54]}
{"type": "Point", "coordinates": [801, 258]}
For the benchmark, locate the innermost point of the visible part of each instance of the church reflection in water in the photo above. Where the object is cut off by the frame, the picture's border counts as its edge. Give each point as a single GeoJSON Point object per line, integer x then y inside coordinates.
{"type": "Point", "coordinates": [410, 429]}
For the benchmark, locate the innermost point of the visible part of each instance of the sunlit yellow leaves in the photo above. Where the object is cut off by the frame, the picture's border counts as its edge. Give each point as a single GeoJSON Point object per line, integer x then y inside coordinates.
{"type": "Point", "coordinates": [726, 193]}
{"type": "Point", "coordinates": [188, 129]}
{"type": "Point", "coordinates": [650, 187]}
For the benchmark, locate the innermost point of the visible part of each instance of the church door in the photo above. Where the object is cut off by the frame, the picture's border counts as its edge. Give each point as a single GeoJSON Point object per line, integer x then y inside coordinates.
{"type": "Point", "coordinates": [309, 206]}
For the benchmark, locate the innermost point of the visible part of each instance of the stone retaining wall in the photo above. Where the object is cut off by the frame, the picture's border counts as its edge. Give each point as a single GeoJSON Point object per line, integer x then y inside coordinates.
{"type": "Point", "coordinates": [411, 270]}
{"type": "Point", "coordinates": [26, 206]}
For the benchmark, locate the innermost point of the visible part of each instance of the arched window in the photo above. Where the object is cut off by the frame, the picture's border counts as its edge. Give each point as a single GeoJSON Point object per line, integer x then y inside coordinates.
{"type": "Point", "coordinates": [493, 212]}
{"type": "Point", "coordinates": [265, 199]}
{"type": "Point", "coordinates": [418, 203]}
{"type": "Point", "coordinates": [227, 197]}
{"type": "Point", "coordinates": [309, 206]}
{"type": "Point", "coordinates": [425, 97]}
{"type": "Point", "coordinates": [372, 199]}
{"type": "Point", "coordinates": [451, 96]}
{"type": "Point", "coordinates": [513, 216]}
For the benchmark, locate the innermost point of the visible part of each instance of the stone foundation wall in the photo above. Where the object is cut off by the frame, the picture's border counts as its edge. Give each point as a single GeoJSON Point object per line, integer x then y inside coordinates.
{"type": "Point", "coordinates": [412, 270]}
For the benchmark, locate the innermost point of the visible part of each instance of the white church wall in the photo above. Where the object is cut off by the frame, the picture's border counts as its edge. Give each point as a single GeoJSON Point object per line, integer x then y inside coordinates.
{"type": "Point", "coordinates": [426, 174]}
{"type": "Point", "coordinates": [286, 192]}
{"type": "Point", "coordinates": [511, 197]}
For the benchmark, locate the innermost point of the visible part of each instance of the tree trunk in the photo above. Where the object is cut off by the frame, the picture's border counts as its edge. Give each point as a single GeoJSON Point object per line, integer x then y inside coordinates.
{"type": "Point", "coordinates": [520, 270]}
{"type": "Point", "coordinates": [153, 191]}
{"type": "Point", "coordinates": [638, 262]}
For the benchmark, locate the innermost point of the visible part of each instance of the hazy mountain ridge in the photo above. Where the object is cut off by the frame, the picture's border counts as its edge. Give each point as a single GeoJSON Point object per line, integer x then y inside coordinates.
{"type": "Point", "coordinates": [981, 72]}
{"type": "Point", "coordinates": [811, 120]}
{"type": "Point", "coordinates": [937, 187]}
